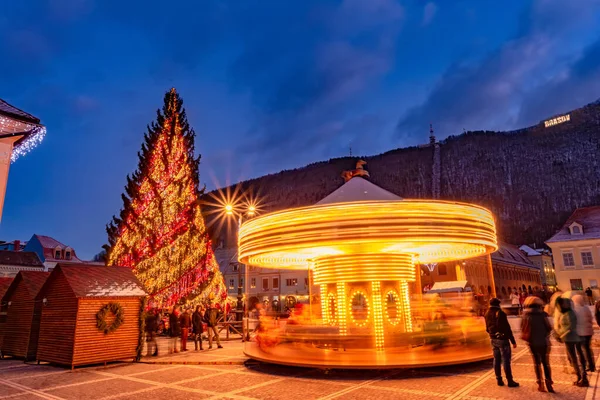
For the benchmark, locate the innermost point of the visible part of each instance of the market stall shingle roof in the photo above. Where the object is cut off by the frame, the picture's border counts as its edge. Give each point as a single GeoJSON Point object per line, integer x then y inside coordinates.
{"type": "Point", "coordinates": [100, 281]}
{"type": "Point", "coordinates": [16, 113]}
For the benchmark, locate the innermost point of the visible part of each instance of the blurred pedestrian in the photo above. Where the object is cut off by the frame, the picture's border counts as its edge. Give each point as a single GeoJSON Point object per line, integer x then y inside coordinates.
{"type": "Point", "coordinates": [185, 321]}
{"type": "Point", "coordinates": [197, 318]}
{"type": "Point", "coordinates": [175, 329]}
{"type": "Point", "coordinates": [590, 296]}
{"type": "Point", "coordinates": [497, 326]}
{"type": "Point", "coordinates": [151, 326]}
{"type": "Point", "coordinates": [585, 330]}
{"type": "Point", "coordinates": [567, 333]}
{"type": "Point", "coordinates": [597, 312]}
{"type": "Point", "coordinates": [535, 330]}
{"type": "Point", "coordinates": [514, 300]}
{"type": "Point", "coordinates": [211, 317]}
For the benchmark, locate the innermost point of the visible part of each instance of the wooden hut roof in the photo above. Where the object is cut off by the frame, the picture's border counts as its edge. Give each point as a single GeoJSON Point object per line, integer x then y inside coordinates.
{"type": "Point", "coordinates": [32, 280]}
{"type": "Point", "coordinates": [101, 281]}
{"type": "Point", "coordinates": [4, 284]}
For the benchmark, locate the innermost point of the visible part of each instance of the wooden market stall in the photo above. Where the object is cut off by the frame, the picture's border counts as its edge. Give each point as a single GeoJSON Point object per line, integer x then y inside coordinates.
{"type": "Point", "coordinates": [91, 315]}
{"type": "Point", "coordinates": [4, 284]}
{"type": "Point", "coordinates": [21, 330]}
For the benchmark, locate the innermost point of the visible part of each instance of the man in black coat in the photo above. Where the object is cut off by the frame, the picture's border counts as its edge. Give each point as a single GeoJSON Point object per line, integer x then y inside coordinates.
{"type": "Point", "coordinates": [197, 318]}
{"type": "Point", "coordinates": [175, 329]}
{"type": "Point", "coordinates": [501, 336]}
{"type": "Point", "coordinates": [151, 323]}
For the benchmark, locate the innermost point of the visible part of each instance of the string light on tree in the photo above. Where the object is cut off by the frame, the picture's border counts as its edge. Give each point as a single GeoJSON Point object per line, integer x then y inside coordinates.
{"type": "Point", "coordinates": [160, 232]}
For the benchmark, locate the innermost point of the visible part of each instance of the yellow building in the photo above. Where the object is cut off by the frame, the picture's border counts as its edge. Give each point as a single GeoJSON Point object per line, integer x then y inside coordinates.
{"type": "Point", "coordinates": [576, 251]}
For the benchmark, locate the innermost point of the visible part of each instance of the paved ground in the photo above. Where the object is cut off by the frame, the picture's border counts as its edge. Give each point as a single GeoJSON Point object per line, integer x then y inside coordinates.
{"type": "Point", "coordinates": [220, 374]}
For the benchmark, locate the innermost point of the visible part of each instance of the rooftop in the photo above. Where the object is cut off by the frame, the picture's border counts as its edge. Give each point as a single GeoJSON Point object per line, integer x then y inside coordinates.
{"type": "Point", "coordinates": [358, 189]}
{"type": "Point", "coordinates": [588, 218]}
{"type": "Point", "coordinates": [22, 258]}
{"type": "Point", "coordinates": [4, 284]}
{"type": "Point", "coordinates": [511, 254]}
{"type": "Point", "coordinates": [100, 281]}
{"type": "Point", "coordinates": [32, 280]}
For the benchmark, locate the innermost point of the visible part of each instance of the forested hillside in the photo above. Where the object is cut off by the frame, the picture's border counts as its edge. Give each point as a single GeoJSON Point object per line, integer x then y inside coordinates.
{"type": "Point", "coordinates": [532, 179]}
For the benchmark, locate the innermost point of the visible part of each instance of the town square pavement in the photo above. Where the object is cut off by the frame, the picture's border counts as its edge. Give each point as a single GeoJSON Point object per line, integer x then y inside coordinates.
{"type": "Point", "coordinates": [227, 374]}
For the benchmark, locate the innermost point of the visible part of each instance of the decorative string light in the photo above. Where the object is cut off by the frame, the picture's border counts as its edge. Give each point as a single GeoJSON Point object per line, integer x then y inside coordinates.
{"type": "Point", "coordinates": [324, 309]}
{"type": "Point", "coordinates": [377, 315]}
{"type": "Point", "coordinates": [35, 135]}
{"type": "Point", "coordinates": [341, 307]}
{"type": "Point", "coordinates": [351, 308]}
{"type": "Point", "coordinates": [392, 294]}
{"type": "Point", "coordinates": [331, 309]}
{"type": "Point", "coordinates": [407, 314]}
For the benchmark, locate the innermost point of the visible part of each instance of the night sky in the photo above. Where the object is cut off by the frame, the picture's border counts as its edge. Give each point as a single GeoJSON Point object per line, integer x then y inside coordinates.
{"type": "Point", "coordinates": [269, 85]}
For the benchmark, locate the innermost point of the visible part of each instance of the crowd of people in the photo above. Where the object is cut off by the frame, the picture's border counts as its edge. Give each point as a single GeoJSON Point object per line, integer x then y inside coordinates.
{"type": "Point", "coordinates": [572, 326]}
{"type": "Point", "coordinates": [184, 324]}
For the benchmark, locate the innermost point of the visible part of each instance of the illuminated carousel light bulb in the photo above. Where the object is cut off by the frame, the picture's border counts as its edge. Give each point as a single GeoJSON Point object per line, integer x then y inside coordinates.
{"type": "Point", "coordinates": [324, 310]}
{"type": "Point", "coordinates": [377, 315]}
{"type": "Point", "coordinates": [341, 306]}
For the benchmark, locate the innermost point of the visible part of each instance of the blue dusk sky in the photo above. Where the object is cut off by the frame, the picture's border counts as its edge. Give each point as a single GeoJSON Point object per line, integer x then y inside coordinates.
{"type": "Point", "coordinates": [269, 85]}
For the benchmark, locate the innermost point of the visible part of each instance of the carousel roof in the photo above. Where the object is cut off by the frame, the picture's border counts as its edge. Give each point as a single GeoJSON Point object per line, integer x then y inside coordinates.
{"type": "Point", "coordinates": [358, 189]}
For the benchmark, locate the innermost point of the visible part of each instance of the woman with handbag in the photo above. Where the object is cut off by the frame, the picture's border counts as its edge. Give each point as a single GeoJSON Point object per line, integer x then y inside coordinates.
{"type": "Point", "coordinates": [535, 330]}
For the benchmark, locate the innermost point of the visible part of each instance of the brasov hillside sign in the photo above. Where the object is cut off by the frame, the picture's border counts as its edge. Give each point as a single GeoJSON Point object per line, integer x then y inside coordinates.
{"type": "Point", "coordinates": [557, 120]}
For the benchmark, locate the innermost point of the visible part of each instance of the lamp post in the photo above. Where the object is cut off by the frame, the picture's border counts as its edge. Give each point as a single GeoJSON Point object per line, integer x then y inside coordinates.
{"type": "Point", "coordinates": [230, 211]}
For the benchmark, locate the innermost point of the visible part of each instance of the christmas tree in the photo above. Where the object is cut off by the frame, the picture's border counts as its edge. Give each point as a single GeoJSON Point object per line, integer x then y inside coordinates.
{"type": "Point", "coordinates": [160, 232]}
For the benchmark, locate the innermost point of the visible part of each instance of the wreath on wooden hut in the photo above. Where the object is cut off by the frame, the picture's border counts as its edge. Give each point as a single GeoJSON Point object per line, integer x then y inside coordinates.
{"type": "Point", "coordinates": [114, 308]}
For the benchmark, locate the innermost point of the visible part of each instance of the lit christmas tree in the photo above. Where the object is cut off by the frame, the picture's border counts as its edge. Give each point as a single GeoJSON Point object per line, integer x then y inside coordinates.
{"type": "Point", "coordinates": [160, 232]}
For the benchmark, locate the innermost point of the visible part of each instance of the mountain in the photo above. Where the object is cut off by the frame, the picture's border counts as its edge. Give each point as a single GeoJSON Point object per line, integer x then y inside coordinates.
{"type": "Point", "coordinates": [531, 179]}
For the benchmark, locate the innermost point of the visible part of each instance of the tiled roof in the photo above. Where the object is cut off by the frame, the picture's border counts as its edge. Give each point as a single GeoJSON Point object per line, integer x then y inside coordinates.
{"type": "Point", "coordinates": [13, 112]}
{"type": "Point", "coordinates": [101, 281]}
{"type": "Point", "coordinates": [32, 280]}
{"type": "Point", "coordinates": [4, 284]}
{"type": "Point", "coordinates": [588, 218]}
{"type": "Point", "coordinates": [50, 244]}
{"type": "Point", "coordinates": [511, 254]}
{"type": "Point", "coordinates": [22, 258]}
{"type": "Point", "coordinates": [226, 257]}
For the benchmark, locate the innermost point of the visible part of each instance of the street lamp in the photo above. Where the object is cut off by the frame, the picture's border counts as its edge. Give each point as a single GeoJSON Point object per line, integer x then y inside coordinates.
{"type": "Point", "coordinates": [230, 210]}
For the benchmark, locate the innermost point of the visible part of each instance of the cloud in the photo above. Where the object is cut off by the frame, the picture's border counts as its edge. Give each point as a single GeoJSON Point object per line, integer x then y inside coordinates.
{"type": "Point", "coordinates": [429, 13]}
{"type": "Point", "coordinates": [491, 93]}
{"type": "Point", "coordinates": [304, 82]}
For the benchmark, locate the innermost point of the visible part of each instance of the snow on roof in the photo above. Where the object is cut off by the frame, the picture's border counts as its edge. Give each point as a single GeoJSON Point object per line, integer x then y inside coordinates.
{"type": "Point", "coordinates": [529, 251]}
{"type": "Point", "coordinates": [511, 254]}
{"type": "Point", "coordinates": [588, 218]}
{"type": "Point", "coordinates": [358, 189]}
{"type": "Point", "coordinates": [101, 281]}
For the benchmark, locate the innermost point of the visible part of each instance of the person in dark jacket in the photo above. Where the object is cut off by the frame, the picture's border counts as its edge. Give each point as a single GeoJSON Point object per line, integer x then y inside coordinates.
{"type": "Point", "coordinates": [175, 329]}
{"type": "Point", "coordinates": [597, 313]}
{"type": "Point", "coordinates": [151, 326]}
{"type": "Point", "coordinates": [497, 326]}
{"type": "Point", "coordinates": [211, 317]}
{"type": "Point", "coordinates": [535, 330]}
{"type": "Point", "coordinates": [567, 332]}
{"type": "Point", "coordinates": [185, 322]}
{"type": "Point", "coordinates": [197, 319]}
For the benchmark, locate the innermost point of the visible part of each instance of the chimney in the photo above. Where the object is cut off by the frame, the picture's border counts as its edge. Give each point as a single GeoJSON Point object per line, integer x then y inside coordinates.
{"type": "Point", "coordinates": [17, 245]}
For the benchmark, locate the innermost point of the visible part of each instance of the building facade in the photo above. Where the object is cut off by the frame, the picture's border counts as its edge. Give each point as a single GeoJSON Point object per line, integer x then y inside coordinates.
{"type": "Point", "coordinates": [51, 251]}
{"type": "Point", "coordinates": [542, 258]}
{"type": "Point", "coordinates": [576, 251]}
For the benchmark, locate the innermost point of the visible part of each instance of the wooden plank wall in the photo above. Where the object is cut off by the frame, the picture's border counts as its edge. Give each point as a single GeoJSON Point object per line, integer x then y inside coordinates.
{"type": "Point", "coordinates": [93, 346]}
{"type": "Point", "coordinates": [18, 322]}
{"type": "Point", "coordinates": [34, 334]}
{"type": "Point", "coordinates": [57, 327]}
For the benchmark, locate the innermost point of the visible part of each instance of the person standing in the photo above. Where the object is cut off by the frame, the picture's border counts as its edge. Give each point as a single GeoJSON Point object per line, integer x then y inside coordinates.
{"type": "Point", "coordinates": [211, 317]}
{"type": "Point", "coordinates": [197, 318]}
{"type": "Point", "coordinates": [590, 296]}
{"type": "Point", "coordinates": [497, 326]}
{"type": "Point", "coordinates": [567, 332]}
{"type": "Point", "coordinates": [514, 301]}
{"type": "Point", "coordinates": [151, 326]}
{"type": "Point", "coordinates": [175, 329]}
{"type": "Point", "coordinates": [597, 312]}
{"type": "Point", "coordinates": [185, 321]}
{"type": "Point", "coordinates": [535, 330]}
{"type": "Point", "coordinates": [585, 330]}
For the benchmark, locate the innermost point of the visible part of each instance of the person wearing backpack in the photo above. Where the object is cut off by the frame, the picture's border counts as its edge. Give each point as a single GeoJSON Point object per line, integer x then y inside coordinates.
{"type": "Point", "coordinates": [536, 330]}
{"type": "Point", "coordinates": [501, 336]}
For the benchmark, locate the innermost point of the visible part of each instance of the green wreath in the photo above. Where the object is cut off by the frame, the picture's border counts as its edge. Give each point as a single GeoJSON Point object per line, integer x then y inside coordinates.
{"type": "Point", "coordinates": [113, 308]}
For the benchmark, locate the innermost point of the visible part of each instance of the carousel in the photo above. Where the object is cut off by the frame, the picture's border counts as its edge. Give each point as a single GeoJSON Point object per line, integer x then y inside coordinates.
{"type": "Point", "coordinates": [364, 247]}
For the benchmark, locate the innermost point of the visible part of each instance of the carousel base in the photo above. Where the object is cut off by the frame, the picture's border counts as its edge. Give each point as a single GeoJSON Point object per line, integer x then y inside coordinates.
{"type": "Point", "coordinates": [302, 355]}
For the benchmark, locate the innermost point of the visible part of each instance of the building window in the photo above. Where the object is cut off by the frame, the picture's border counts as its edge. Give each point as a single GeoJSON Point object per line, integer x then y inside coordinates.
{"type": "Point", "coordinates": [275, 283]}
{"type": "Point", "coordinates": [57, 254]}
{"type": "Point", "coordinates": [291, 282]}
{"type": "Point", "coordinates": [265, 285]}
{"type": "Point", "coordinates": [576, 284]}
{"type": "Point", "coordinates": [568, 259]}
{"type": "Point", "coordinates": [442, 269]}
{"type": "Point", "coordinates": [253, 283]}
{"type": "Point", "coordinates": [575, 230]}
{"type": "Point", "coordinates": [231, 284]}
{"type": "Point", "coordinates": [586, 258]}
{"type": "Point", "coordinates": [593, 283]}
{"type": "Point", "coordinates": [241, 282]}
{"type": "Point", "coordinates": [67, 255]}
{"type": "Point", "coordinates": [236, 267]}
